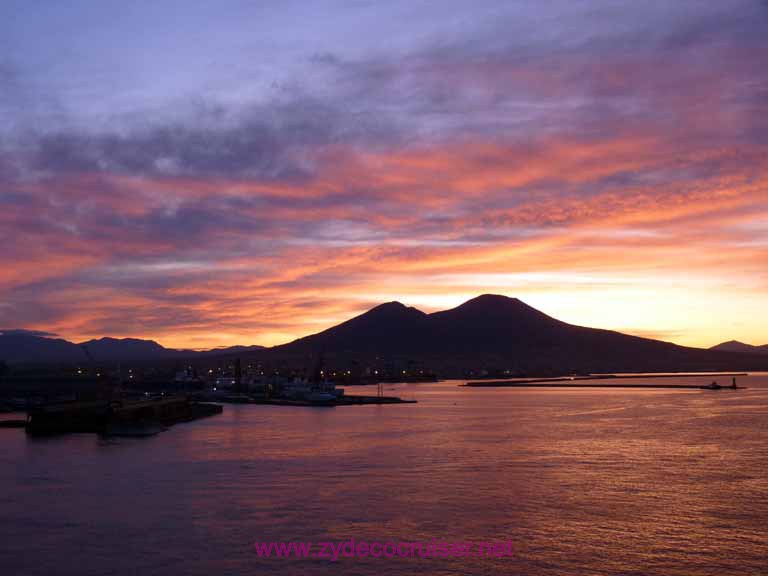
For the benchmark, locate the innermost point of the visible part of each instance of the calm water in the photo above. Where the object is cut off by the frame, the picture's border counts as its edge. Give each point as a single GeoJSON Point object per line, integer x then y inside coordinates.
{"type": "Point", "coordinates": [584, 482]}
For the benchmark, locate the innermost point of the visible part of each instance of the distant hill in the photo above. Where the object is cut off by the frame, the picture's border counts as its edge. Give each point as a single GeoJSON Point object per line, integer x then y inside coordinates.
{"type": "Point", "coordinates": [230, 350]}
{"type": "Point", "coordinates": [121, 349]}
{"type": "Point", "coordinates": [497, 332]}
{"type": "Point", "coordinates": [736, 346]}
{"type": "Point", "coordinates": [20, 346]}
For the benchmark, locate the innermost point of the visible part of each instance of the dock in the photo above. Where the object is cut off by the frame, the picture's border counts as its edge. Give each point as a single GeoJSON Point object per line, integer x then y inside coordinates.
{"type": "Point", "coordinates": [353, 400]}
{"type": "Point", "coordinates": [345, 400]}
{"type": "Point", "coordinates": [124, 418]}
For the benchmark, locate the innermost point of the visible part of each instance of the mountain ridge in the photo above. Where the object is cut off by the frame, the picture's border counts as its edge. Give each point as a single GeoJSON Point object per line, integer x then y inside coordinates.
{"type": "Point", "coordinates": [22, 346]}
{"type": "Point", "coordinates": [489, 331]}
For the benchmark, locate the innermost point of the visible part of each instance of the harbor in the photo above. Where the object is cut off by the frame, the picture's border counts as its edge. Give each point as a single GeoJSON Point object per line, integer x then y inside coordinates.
{"type": "Point", "coordinates": [116, 412]}
{"type": "Point", "coordinates": [313, 390]}
{"type": "Point", "coordinates": [138, 418]}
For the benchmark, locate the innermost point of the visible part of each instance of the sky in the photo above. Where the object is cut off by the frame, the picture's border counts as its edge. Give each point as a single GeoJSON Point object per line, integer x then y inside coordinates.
{"type": "Point", "coordinates": [215, 173]}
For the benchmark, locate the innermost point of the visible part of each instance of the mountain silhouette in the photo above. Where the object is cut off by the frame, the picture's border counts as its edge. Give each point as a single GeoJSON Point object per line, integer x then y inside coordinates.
{"type": "Point", "coordinates": [736, 346]}
{"type": "Point", "coordinates": [489, 332]}
{"type": "Point", "coordinates": [501, 333]}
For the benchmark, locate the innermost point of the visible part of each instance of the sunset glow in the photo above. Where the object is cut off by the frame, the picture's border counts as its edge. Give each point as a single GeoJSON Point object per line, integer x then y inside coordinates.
{"type": "Point", "coordinates": [281, 182]}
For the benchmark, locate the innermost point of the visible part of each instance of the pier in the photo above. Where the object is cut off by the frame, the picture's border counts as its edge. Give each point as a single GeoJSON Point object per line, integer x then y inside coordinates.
{"type": "Point", "coordinates": [120, 418]}
{"type": "Point", "coordinates": [590, 382]}
{"type": "Point", "coordinates": [344, 400]}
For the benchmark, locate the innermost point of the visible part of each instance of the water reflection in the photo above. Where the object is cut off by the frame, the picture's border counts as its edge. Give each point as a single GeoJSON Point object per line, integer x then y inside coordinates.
{"type": "Point", "coordinates": [582, 481]}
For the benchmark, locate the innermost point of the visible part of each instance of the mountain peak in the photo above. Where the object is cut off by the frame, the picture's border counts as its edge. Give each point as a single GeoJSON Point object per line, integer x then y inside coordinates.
{"type": "Point", "coordinates": [497, 304]}
{"type": "Point", "coordinates": [491, 313]}
{"type": "Point", "coordinates": [491, 300]}
{"type": "Point", "coordinates": [736, 346]}
{"type": "Point", "coordinates": [392, 309]}
{"type": "Point", "coordinates": [393, 305]}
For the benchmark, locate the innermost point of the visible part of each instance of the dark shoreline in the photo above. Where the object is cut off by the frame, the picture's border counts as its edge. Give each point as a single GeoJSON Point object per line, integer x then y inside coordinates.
{"type": "Point", "coordinates": [567, 382]}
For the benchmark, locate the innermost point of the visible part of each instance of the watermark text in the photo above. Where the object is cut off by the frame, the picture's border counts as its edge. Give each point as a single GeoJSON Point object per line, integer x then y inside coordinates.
{"type": "Point", "coordinates": [353, 548]}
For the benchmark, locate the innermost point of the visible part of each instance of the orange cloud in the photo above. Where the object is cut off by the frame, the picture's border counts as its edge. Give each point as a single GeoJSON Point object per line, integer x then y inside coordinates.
{"type": "Point", "coordinates": [264, 262]}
